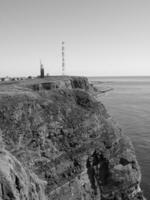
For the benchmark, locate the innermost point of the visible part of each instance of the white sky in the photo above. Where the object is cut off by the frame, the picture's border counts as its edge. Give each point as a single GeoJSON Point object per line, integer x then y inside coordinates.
{"type": "Point", "coordinates": [103, 37]}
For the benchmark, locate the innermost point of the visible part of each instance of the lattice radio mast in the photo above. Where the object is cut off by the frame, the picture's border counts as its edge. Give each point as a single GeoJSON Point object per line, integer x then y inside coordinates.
{"type": "Point", "coordinates": [63, 58]}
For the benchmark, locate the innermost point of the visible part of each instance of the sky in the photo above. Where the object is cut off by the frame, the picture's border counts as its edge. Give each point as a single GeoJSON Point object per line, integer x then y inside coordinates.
{"type": "Point", "coordinates": [102, 37]}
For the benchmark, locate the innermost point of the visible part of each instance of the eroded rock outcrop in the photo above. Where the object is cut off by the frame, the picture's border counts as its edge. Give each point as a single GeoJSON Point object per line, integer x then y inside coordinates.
{"type": "Point", "coordinates": [17, 183]}
{"type": "Point", "coordinates": [66, 83]}
{"type": "Point", "coordinates": [61, 144]}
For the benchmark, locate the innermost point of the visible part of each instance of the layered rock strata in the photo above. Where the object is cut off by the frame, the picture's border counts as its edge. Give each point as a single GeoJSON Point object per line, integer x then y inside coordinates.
{"type": "Point", "coordinates": [59, 143]}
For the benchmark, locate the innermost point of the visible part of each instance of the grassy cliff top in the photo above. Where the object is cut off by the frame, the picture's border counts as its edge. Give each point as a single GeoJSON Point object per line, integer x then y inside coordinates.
{"type": "Point", "coordinates": [29, 86]}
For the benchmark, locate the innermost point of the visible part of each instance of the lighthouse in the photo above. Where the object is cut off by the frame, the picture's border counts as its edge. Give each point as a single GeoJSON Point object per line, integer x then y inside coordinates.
{"type": "Point", "coordinates": [41, 70]}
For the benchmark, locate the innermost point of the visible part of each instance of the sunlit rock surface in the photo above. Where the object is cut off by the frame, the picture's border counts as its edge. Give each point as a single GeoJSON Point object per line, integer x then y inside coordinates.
{"type": "Point", "coordinates": [58, 143]}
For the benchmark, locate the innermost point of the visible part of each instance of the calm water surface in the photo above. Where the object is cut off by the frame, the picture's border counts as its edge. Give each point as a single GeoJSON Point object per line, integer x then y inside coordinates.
{"type": "Point", "coordinates": [129, 104]}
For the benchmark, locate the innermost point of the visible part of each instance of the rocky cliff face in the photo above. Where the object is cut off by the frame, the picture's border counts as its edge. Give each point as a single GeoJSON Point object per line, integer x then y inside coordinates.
{"type": "Point", "coordinates": [59, 143]}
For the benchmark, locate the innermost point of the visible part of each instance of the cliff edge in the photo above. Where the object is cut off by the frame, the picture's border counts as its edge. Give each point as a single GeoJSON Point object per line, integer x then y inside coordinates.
{"type": "Point", "coordinates": [58, 143]}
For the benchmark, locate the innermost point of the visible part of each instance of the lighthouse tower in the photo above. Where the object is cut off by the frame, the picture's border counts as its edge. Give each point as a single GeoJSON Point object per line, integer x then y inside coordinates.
{"type": "Point", "coordinates": [41, 70]}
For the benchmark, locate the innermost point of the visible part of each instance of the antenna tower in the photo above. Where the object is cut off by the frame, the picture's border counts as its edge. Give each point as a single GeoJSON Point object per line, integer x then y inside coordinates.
{"type": "Point", "coordinates": [63, 58]}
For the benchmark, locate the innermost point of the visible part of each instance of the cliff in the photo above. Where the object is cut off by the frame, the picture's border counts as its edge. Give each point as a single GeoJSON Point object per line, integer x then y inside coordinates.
{"type": "Point", "coordinates": [58, 143]}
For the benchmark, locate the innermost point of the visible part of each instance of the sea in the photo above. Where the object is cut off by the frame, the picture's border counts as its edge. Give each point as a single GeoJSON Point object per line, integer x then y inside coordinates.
{"type": "Point", "coordinates": [128, 102]}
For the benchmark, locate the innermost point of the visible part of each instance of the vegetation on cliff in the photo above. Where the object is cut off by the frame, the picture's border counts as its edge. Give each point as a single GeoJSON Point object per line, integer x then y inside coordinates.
{"type": "Point", "coordinates": [59, 143]}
